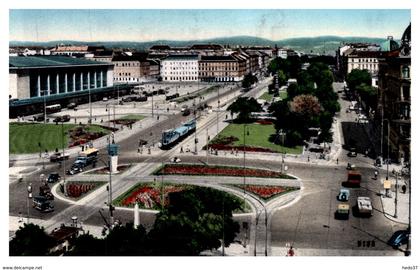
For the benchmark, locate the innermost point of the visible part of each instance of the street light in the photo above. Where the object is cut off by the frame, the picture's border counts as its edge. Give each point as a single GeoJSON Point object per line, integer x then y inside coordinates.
{"type": "Point", "coordinates": [64, 159]}
{"type": "Point", "coordinates": [29, 189]}
{"type": "Point", "coordinates": [244, 162]}
{"type": "Point", "coordinates": [396, 195]}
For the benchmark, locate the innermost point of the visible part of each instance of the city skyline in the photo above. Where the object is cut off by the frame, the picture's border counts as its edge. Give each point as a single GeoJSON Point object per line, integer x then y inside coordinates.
{"type": "Point", "coordinates": [141, 25]}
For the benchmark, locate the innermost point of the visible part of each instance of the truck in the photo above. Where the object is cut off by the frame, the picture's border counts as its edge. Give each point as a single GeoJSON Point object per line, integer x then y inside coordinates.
{"type": "Point", "coordinates": [364, 206]}
{"type": "Point", "coordinates": [353, 179]}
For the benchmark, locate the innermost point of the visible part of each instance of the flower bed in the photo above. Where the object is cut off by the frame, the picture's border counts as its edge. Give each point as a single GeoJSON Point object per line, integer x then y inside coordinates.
{"type": "Point", "coordinates": [197, 169]}
{"type": "Point", "coordinates": [266, 192]}
{"type": "Point", "coordinates": [77, 189]}
{"type": "Point", "coordinates": [149, 195]}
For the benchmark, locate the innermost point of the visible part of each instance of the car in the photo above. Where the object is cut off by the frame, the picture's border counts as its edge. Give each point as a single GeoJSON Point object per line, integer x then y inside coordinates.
{"type": "Point", "coordinates": [72, 105]}
{"type": "Point", "coordinates": [344, 195]}
{"type": "Point", "coordinates": [352, 152]}
{"type": "Point", "coordinates": [53, 177]}
{"type": "Point", "coordinates": [105, 99]}
{"type": "Point", "coordinates": [63, 118]}
{"type": "Point", "coordinates": [175, 160]}
{"type": "Point", "coordinates": [75, 168]}
{"type": "Point", "coordinates": [399, 238]}
{"type": "Point", "coordinates": [39, 117]}
{"type": "Point", "coordinates": [42, 204]}
{"type": "Point", "coordinates": [183, 108]}
{"type": "Point", "coordinates": [186, 112]}
{"type": "Point", "coordinates": [58, 157]}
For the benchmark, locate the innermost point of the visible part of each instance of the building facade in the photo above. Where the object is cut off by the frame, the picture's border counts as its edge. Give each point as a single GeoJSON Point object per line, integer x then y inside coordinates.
{"type": "Point", "coordinates": [36, 76]}
{"type": "Point", "coordinates": [179, 68]}
{"type": "Point", "coordinates": [133, 68]}
{"type": "Point", "coordinates": [219, 69]}
{"type": "Point", "coordinates": [394, 100]}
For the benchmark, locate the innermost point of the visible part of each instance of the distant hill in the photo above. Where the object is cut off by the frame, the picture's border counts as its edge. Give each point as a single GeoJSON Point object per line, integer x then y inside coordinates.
{"type": "Point", "coordinates": [322, 44]}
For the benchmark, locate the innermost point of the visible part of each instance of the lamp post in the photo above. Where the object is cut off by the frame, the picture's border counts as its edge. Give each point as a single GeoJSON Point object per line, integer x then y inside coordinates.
{"type": "Point", "coordinates": [207, 146]}
{"type": "Point", "coordinates": [29, 189]}
{"type": "Point", "coordinates": [45, 107]}
{"type": "Point", "coordinates": [90, 108]}
{"type": "Point", "coordinates": [244, 162]}
{"type": "Point", "coordinates": [396, 195]}
{"type": "Point", "coordinates": [64, 159]}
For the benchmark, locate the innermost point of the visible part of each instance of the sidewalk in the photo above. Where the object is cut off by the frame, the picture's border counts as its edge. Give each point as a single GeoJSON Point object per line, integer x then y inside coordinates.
{"type": "Point", "coordinates": [390, 203]}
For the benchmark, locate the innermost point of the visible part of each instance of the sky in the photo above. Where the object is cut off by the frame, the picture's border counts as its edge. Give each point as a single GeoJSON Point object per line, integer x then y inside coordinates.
{"type": "Point", "coordinates": [154, 24]}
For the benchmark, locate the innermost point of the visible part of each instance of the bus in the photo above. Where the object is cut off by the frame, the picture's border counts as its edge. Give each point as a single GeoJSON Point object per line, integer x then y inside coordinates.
{"type": "Point", "coordinates": [53, 108]}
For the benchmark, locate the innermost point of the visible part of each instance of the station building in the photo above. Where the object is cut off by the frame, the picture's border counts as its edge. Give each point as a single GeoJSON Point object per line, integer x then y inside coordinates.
{"type": "Point", "coordinates": [36, 80]}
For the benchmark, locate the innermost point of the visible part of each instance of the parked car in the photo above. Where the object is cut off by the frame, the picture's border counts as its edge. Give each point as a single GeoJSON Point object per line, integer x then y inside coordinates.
{"type": "Point", "coordinates": [53, 177]}
{"type": "Point", "coordinates": [399, 238]}
{"type": "Point", "coordinates": [105, 99]}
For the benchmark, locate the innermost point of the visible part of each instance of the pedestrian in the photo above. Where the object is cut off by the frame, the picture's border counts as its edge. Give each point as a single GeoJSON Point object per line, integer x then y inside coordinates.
{"type": "Point", "coordinates": [337, 160]}
{"type": "Point", "coordinates": [181, 150]}
{"type": "Point", "coordinates": [158, 117]}
{"type": "Point", "coordinates": [404, 188]}
{"type": "Point", "coordinates": [376, 174]}
{"type": "Point", "coordinates": [291, 252]}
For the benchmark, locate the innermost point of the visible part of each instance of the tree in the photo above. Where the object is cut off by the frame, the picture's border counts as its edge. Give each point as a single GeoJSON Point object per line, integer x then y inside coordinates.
{"type": "Point", "coordinates": [249, 80]}
{"type": "Point", "coordinates": [305, 105]}
{"type": "Point", "coordinates": [88, 245]}
{"type": "Point", "coordinates": [31, 240]}
{"type": "Point", "coordinates": [282, 78]}
{"type": "Point", "coordinates": [185, 230]}
{"type": "Point", "coordinates": [367, 94]}
{"type": "Point", "coordinates": [357, 77]}
{"type": "Point", "coordinates": [244, 106]}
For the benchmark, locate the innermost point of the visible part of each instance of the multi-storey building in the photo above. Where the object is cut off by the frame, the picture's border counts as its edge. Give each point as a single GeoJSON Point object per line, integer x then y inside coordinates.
{"type": "Point", "coordinates": [220, 69]}
{"type": "Point", "coordinates": [180, 68]}
{"type": "Point", "coordinates": [394, 100]}
{"type": "Point", "coordinates": [133, 68]}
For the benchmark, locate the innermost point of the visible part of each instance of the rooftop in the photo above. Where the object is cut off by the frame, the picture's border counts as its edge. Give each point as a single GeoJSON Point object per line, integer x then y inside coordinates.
{"type": "Point", "coordinates": [133, 57]}
{"type": "Point", "coordinates": [182, 57]}
{"type": "Point", "coordinates": [217, 58]}
{"type": "Point", "coordinates": [48, 61]}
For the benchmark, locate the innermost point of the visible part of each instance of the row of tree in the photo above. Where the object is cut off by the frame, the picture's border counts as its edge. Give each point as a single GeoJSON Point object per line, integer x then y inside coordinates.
{"type": "Point", "coordinates": [360, 83]}
{"type": "Point", "coordinates": [311, 102]}
{"type": "Point", "coordinates": [197, 219]}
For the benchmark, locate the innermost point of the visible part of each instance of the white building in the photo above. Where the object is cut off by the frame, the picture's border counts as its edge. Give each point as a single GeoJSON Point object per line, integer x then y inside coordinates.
{"type": "Point", "coordinates": [363, 60]}
{"type": "Point", "coordinates": [179, 68]}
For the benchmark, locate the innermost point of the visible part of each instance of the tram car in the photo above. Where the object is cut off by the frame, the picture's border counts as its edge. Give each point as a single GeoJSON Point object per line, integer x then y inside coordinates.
{"type": "Point", "coordinates": [171, 137]}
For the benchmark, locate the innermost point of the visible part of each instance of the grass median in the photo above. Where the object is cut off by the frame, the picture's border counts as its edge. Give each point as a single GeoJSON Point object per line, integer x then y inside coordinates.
{"type": "Point", "coordinates": [25, 137]}
{"type": "Point", "coordinates": [257, 135]}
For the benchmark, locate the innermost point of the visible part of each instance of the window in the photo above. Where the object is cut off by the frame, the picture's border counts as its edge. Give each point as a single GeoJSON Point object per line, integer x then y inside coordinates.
{"type": "Point", "coordinates": [406, 72]}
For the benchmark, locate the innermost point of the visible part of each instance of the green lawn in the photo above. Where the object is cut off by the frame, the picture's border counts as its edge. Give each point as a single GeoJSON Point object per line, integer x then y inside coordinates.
{"type": "Point", "coordinates": [137, 117]}
{"type": "Point", "coordinates": [258, 136]}
{"type": "Point", "coordinates": [268, 97]}
{"type": "Point", "coordinates": [24, 137]}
